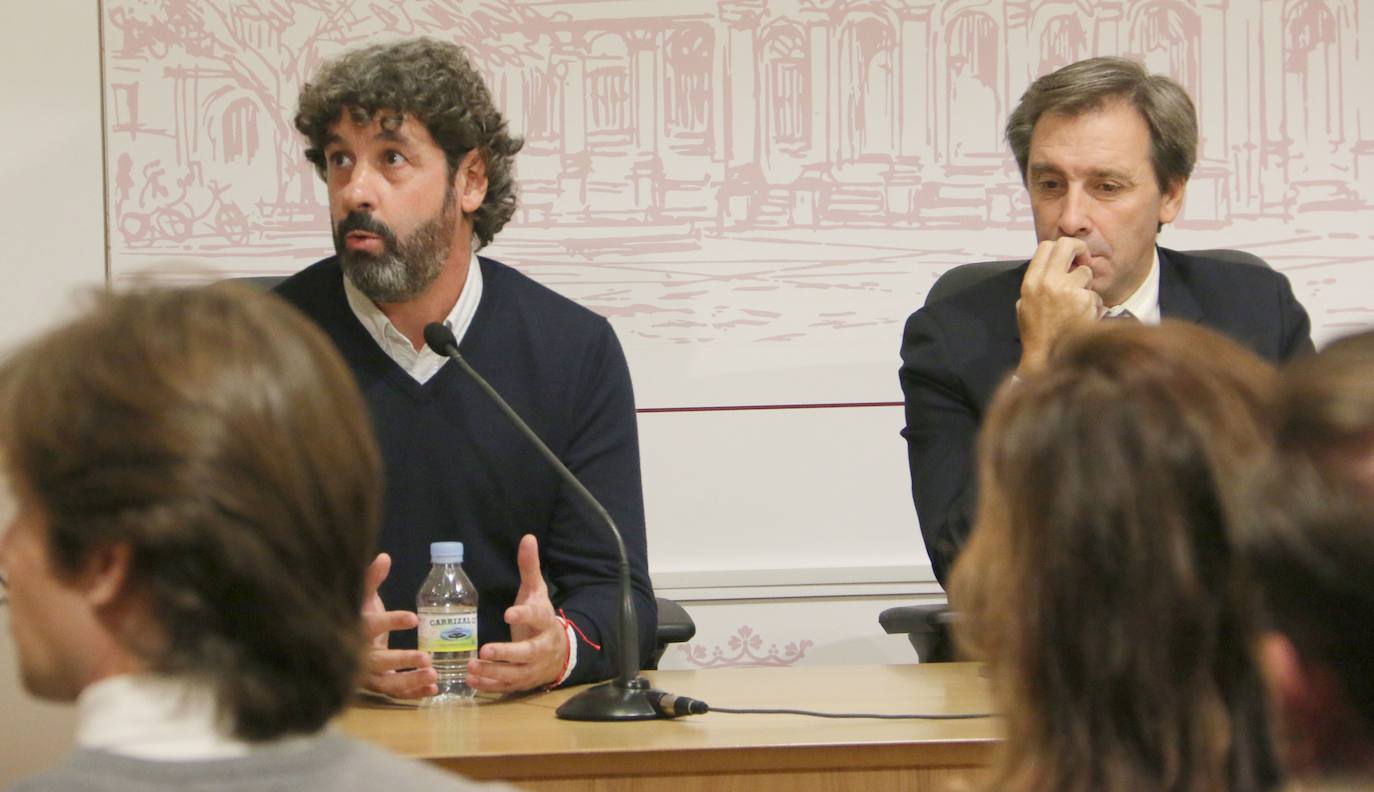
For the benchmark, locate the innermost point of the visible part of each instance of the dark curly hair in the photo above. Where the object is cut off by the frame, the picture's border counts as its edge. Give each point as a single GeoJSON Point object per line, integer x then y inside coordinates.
{"type": "Point", "coordinates": [433, 82]}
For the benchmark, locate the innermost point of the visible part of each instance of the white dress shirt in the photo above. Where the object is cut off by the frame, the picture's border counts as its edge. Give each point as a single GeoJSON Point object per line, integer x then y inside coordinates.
{"type": "Point", "coordinates": [1143, 303]}
{"type": "Point", "coordinates": [162, 718]}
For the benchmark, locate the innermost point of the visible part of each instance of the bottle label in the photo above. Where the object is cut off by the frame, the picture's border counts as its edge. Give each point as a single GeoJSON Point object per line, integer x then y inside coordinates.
{"type": "Point", "coordinates": [448, 632]}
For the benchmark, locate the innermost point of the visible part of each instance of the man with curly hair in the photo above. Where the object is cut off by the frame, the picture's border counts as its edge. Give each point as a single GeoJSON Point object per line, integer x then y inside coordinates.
{"type": "Point", "coordinates": [418, 164]}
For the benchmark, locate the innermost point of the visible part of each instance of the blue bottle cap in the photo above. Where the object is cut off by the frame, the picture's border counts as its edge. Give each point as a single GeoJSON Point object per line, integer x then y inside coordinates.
{"type": "Point", "coordinates": [446, 552]}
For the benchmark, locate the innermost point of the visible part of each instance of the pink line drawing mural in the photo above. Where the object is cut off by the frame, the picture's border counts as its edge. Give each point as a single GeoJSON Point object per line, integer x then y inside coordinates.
{"type": "Point", "coordinates": [754, 192]}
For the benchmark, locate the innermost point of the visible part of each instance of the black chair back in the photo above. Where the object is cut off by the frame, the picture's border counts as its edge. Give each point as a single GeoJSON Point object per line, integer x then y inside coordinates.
{"type": "Point", "coordinates": [956, 279]}
{"type": "Point", "coordinates": [259, 282]}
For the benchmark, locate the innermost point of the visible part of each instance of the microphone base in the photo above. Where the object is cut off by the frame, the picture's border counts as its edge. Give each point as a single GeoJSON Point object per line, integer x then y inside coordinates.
{"type": "Point", "coordinates": [611, 701]}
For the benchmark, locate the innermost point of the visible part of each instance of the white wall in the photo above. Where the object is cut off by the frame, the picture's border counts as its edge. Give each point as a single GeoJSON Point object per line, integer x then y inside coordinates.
{"type": "Point", "coordinates": [783, 531]}
{"type": "Point", "coordinates": [52, 202]}
{"type": "Point", "coordinates": [52, 209]}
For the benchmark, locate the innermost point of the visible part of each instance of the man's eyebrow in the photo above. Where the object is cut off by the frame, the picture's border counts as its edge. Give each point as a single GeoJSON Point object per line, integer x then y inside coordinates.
{"type": "Point", "coordinates": [393, 135]}
{"type": "Point", "coordinates": [1115, 174]}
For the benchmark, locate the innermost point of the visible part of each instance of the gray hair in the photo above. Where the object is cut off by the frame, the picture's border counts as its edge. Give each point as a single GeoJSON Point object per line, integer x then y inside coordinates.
{"type": "Point", "coordinates": [1088, 85]}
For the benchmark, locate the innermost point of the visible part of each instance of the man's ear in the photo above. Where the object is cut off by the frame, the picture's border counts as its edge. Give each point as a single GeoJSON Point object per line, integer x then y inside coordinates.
{"type": "Point", "coordinates": [1281, 667]}
{"type": "Point", "coordinates": [105, 576]}
{"type": "Point", "coordinates": [470, 181]}
{"type": "Point", "coordinates": [1171, 202]}
{"type": "Point", "coordinates": [1315, 718]}
{"type": "Point", "coordinates": [1305, 690]}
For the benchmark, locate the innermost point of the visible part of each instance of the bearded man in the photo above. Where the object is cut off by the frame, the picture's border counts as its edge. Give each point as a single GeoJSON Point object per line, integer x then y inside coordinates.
{"type": "Point", "coordinates": [418, 165]}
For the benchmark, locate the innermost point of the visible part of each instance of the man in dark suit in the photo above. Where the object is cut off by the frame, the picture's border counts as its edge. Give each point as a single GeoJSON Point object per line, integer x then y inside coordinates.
{"type": "Point", "coordinates": [1105, 151]}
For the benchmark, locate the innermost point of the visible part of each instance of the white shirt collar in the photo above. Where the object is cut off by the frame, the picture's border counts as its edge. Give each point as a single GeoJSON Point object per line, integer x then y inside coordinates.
{"type": "Point", "coordinates": [1144, 301]}
{"type": "Point", "coordinates": [160, 718]}
{"type": "Point", "coordinates": [423, 363]}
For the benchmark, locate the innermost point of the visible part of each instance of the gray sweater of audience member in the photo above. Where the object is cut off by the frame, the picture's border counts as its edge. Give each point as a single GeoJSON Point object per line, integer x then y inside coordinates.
{"type": "Point", "coordinates": [333, 763]}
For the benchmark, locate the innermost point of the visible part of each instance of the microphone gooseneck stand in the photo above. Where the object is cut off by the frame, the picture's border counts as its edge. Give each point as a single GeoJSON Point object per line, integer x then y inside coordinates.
{"type": "Point", "coordinates": [628, 696]}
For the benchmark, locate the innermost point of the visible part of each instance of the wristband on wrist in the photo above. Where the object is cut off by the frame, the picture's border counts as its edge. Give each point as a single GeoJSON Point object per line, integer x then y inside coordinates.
{"type": "Point", "coordinates": [570, 662]}
{"type": "Point", "coordinates": [569, 654]}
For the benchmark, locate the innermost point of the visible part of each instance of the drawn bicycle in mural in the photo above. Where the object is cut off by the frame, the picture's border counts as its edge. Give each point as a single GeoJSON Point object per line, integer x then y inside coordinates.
{"type": "Point", "coordinates": [177, 221]}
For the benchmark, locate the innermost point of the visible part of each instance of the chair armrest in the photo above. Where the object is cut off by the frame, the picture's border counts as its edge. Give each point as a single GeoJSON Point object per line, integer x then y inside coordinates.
{"type": "Point", "coordinates": [926, 626]}
{"type": "Point", "coordinates": [675, 625]}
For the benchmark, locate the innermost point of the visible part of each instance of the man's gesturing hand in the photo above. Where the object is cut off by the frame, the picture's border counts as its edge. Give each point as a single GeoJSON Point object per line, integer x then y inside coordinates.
{"type": "Point", "coordinates": [398, 673]}
{"type": "Point", "coordinates": [538, 649]}
{"type": "Point", "coordinates": [1055, 299]}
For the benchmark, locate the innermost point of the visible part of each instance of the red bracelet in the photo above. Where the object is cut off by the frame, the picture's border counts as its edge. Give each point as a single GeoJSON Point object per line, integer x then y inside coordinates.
{"type": "Point", "coordinates": [567, 655]}
{"type": "Point", "coordinates": [563, 617]}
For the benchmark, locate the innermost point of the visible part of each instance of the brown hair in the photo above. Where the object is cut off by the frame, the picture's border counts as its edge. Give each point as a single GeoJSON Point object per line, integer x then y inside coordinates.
{"type": "Point", "coordinates": [1090, 84]}
{"type": "Point", "coordinates": [217, 434]}
{"type": "Point", "coordinates": [1310, 536]}
{"type": "Point", "coordinates": [433, 82]}
{"type": "Point", "coordinates": [1099, 581]}
{"type": "Point", "coordinates": [1326, 401]}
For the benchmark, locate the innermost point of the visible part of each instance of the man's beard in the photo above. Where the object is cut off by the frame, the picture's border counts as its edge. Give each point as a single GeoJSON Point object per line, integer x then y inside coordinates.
{"type": "Point", "coordinates": [405, 267]}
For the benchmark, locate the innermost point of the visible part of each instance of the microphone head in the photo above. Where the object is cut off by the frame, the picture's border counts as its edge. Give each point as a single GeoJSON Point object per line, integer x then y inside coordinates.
{"type": "Point", "coordinates": [439, 338]}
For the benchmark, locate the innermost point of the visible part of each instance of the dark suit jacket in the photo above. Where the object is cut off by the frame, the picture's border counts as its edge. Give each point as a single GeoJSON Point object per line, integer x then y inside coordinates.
{"type": "Point", "coordinates": [955, 353]}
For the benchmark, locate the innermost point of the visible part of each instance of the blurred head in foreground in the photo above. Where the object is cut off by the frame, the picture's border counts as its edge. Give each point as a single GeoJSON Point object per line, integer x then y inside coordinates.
{"type": "Point", "coordinates": [1101, 583]}
{"type": "Point", "coordinates": [1310, 542]}
{"type": "Point", "coordinates": [194, 492]}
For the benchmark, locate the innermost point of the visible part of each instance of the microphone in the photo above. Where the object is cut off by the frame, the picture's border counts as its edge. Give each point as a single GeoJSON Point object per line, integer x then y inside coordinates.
{"type": "Point", "coordinates": [627, 696]}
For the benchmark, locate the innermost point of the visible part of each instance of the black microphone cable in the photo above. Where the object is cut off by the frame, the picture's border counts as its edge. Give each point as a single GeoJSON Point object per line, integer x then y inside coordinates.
{"type": "Point", "coordinates": [670, 706]}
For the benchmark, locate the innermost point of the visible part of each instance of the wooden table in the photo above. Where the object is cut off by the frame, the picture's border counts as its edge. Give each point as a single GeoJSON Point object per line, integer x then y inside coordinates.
{"type": "Point", "coordinates": [520, 740]}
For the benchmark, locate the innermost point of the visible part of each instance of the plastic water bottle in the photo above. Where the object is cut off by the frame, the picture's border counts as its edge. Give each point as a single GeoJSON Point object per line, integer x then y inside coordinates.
{"type": "Point", "coordinates": [447, 607]}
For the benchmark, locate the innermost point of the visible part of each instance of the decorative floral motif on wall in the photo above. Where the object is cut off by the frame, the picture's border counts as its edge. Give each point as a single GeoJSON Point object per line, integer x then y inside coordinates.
{"type": "Point", "coordinates": [745, 648]}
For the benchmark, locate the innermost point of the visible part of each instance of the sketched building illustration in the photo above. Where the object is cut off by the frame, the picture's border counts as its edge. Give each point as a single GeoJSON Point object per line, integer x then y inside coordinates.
{"type": "Point", "coordinates": [740, 113]}
{"type": "Point", "coordinates": [756, 194]}
{"type": "Point", "coordinates": [776, 181]}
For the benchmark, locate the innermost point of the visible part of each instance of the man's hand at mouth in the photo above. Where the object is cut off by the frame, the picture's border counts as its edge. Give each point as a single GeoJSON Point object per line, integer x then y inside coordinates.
{"type": "Point", "coordinates": [1055, 299]}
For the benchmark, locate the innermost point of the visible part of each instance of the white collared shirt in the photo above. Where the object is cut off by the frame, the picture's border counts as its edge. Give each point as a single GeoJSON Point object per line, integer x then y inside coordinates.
{"type": "Point", "coordinates": [422, 363]}
{"type": "Point", "coordinates": [161, 718]}
{"type": "Point", "coordinates": [1144, 301]}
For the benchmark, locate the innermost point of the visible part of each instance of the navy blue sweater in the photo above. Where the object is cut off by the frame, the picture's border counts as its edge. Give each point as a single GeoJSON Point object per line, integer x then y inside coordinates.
{"type": "Point", "coordinates": [456, 470]}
